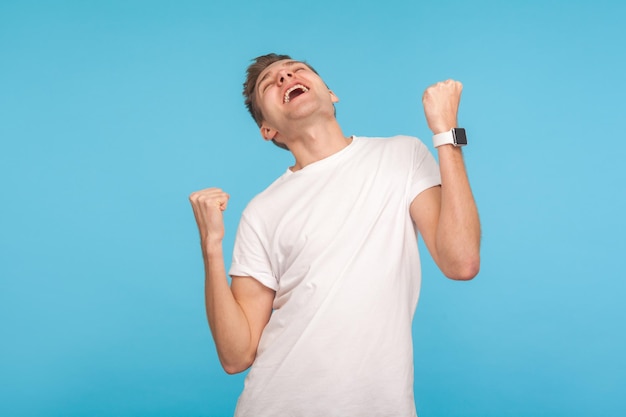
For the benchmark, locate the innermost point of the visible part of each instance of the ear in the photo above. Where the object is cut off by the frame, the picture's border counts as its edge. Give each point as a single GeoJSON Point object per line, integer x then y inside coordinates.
{"type": "Point", "coordinates": [268, 132]}
{"type": "Point", "coordinates": [333, 97]}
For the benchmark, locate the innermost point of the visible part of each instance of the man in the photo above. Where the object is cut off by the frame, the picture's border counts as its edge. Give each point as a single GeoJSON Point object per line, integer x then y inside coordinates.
{"type": "Point", "coordinates": [326, 272]}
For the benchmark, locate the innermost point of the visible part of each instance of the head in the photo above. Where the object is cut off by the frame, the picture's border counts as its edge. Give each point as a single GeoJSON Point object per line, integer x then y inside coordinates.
{"type": "Point", "coordinates": [255, 69]}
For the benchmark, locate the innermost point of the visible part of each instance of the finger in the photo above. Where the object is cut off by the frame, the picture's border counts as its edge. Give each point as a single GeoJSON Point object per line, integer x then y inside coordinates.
{"type": "Point", "coordinates": [224, 203]}
{"type": "Point", "coordinates": [220, 199]}
{"type": "Point", "coordinates": [209, 194]}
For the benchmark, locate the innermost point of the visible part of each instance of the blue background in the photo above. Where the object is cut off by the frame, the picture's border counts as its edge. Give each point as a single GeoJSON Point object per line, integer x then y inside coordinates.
{"type": "Point", "coordinates": [111, 113]}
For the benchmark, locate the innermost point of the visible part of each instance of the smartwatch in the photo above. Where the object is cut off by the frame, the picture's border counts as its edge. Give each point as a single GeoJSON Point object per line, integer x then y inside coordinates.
{"type": "Point", "coordinates": [454, 137]}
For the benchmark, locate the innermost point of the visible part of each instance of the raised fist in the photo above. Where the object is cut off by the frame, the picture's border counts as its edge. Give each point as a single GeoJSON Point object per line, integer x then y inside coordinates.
{"type": "Point", "coordinates": [208, 205]}
{"type": "Point", "coordinates": [441, 104]}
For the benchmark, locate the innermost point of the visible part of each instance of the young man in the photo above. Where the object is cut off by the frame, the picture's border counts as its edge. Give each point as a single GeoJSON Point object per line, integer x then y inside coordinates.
{"type": "Point", "coordinates": [326, 271]}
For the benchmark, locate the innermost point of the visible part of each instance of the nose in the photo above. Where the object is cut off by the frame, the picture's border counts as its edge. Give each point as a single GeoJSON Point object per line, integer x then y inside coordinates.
{"type": "Point", "coordinates": [284, 75]}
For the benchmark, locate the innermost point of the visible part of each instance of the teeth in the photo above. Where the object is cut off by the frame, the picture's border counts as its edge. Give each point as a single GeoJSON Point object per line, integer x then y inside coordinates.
{"type": "Point", "coordinates": [295, 87]}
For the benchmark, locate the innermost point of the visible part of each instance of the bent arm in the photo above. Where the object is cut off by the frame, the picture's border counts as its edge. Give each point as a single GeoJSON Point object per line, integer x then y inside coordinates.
{"type": "Point", "coordinates": [236, 314]}
{"type": "Point", "coordinates": [447, 218]}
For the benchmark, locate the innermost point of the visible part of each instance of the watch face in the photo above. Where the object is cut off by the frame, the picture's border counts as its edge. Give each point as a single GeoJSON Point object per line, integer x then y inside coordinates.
{"type": "Point", "coordinates": [459, 137]}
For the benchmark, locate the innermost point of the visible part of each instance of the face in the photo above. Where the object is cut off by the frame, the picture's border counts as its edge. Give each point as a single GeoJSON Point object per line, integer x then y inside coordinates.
{"type": "Point", "coordinates": [288, 91]}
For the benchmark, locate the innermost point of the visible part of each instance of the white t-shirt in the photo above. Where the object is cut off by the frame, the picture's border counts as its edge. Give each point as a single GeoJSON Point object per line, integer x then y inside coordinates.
{"type": "Point", "coordinates": [335, 240]}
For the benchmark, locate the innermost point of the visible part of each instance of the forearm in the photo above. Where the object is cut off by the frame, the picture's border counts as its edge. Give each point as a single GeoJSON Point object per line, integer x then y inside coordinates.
{"type": "Point", "coordinates": [228, 323]}
{"type": "Point", "coordinates": [458, 231]}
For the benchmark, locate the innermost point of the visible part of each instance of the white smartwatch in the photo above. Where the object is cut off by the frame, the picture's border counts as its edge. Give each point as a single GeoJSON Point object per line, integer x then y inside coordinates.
{"type": "Point", "coordinates": [454, 137]}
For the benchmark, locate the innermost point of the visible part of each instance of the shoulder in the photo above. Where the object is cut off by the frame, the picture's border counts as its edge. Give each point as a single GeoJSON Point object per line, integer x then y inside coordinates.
{"type": "Point", "coordinates": [263, 202]}
{"type": "Point", "coordinates": [391, 141]}
{"type": "Point", "coordinates": [409, 146]}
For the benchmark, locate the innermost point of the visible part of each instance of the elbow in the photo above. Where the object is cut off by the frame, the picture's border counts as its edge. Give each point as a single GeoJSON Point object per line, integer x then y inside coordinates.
{"type": "Point", "coordinates": [464, 274]}
{"type": "Point", "coordinates": [232, 370]}
{"type": "Point", "coordinates": [464, 271]}
{"type": "Point", "coordinates": [232, 367]}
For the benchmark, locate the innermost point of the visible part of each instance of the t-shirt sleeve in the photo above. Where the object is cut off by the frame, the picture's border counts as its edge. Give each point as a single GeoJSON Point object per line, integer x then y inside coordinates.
{"type": "Point", "coordinates": [425, 171]}
{"type": "Point", "coordinates": [250, 257]}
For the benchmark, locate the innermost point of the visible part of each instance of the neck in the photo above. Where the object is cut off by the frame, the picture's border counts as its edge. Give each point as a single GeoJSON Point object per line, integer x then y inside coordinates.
{"type": "Point", "coordinates": [315, 142]}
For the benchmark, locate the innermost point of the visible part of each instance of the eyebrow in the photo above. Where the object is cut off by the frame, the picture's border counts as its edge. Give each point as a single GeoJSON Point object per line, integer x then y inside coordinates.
{"type": "Point", "coordinates": [267, 74]}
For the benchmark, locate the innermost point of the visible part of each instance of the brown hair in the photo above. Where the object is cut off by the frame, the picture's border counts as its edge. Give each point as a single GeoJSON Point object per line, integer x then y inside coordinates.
{"type": "Point", "coordinates": [252, 74]}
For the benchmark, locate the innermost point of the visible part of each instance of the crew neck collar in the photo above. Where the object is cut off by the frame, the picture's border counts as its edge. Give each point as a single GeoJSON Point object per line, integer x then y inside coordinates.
{"type": "Point", "coordinates": [324, 161]}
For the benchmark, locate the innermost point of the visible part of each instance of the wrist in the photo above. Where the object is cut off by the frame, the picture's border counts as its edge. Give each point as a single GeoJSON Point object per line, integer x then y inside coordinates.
{"type": "Point", "coordinates": [442, 128]}
{"type": "Point", "coordinates": [455, 137]}
{"type": "Point", "coordinates": [212, 248]}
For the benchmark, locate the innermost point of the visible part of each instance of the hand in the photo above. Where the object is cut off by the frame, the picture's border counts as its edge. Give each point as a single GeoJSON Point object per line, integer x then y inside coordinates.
{"type": "Point", "coordinates": [208, 205]}
{"type": "Point", "coordinates": [441, 104]}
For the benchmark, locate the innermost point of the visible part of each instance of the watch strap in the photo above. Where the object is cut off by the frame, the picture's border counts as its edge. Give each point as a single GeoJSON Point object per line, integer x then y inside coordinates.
{"type": "Point", "coordinates": [451, 137]}
{"type": "Point", "coordinates": [443, 138]}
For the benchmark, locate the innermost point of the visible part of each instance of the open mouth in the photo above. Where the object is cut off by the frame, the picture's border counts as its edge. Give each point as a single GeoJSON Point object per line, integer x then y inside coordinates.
{"type": "Point", "coordinates": [294, 92]}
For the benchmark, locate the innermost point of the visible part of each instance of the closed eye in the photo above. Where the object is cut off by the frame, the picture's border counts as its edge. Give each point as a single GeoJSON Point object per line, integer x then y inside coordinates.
{"type": "Point", "coordinates": [267, 79]}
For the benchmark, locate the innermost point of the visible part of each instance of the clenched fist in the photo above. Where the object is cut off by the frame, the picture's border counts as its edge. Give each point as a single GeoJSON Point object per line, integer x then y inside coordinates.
{"type": "Point", "coordinates": [208, 205]}
{"type": "Point", "coordinates": [441, 104]}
